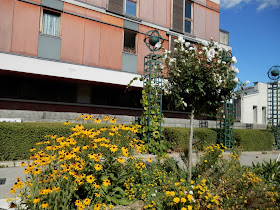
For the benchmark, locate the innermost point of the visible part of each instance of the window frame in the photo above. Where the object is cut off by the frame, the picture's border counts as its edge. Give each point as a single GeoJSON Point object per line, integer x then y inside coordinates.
{"type": "Point", "coordinates": [43, 9]}
{"type": "Point", "coordinates": [136, 41]}
{"type": "Point", "coordinates": [188, 19]}
{"type": "Point", "coordinates": [137, 5]}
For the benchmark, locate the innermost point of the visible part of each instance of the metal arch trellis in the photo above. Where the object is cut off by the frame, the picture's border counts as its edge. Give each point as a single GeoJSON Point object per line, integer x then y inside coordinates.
{"type": "Point", "coordinates": [273, 95]}
{"type": "Point", "coordinates": [225, 119]}
{"type": "Point", "coordinates": [153, 79]}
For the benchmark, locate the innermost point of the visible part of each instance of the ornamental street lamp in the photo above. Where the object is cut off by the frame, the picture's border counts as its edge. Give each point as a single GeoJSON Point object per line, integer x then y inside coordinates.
{"type": "Point", "coordinates": [153, 84]}
{"type": "Point", "coordinates": [273, 104]}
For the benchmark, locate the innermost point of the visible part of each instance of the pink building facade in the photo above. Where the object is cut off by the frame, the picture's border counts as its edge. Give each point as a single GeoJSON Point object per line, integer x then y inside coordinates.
{"type": "Point", "coordinates": [78, 56]}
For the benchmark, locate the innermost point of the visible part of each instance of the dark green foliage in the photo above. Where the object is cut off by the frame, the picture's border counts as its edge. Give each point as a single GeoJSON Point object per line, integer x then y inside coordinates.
{"type": "Point", "coordinates": [16, 139]}
{"type": "Point", "coordinates": [268, 170]}
{"type": "Point", "coordinates": [253, 140]}
{"type": "Point", "coordinates": [179, 137]}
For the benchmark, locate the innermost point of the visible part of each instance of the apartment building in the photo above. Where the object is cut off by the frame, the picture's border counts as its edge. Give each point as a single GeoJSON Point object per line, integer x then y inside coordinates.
{"type": "Point", "coordinates": [79, 55]}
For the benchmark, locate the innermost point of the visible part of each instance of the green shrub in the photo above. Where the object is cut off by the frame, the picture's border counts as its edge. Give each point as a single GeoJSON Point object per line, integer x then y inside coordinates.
{"type": "Point", "coordinates": [16, 139]}
{"type": "Point", "coordinates": [253, 140]}
{"type": "Point", "coordinates": [179, 137]}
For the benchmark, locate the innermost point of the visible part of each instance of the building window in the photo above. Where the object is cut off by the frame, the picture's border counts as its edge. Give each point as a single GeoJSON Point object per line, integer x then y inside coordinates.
{"type": "Point", "coordinates": [188, 17]}
{"type": "Point", "coordinates": [50, 23]}
{"type": "Point", "coordinates": [131, 6]}
{"type": "Point", "coordinates": [129, 41]}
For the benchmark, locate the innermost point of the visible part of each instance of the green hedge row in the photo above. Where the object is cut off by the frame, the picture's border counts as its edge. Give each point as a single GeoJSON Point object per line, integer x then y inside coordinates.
{"type": "Point", "coordinates": [254, 140]}
{"type": "Point", "coordinates": [16, 139]}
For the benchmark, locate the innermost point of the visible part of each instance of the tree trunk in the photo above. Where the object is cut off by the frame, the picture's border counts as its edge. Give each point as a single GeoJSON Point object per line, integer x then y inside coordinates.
{"type": "Point", "coordinates": [190, 147]}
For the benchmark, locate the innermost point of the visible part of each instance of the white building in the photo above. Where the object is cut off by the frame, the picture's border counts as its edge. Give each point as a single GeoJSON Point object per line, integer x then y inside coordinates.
{"type": "Point", "coordinates": [251, 107]}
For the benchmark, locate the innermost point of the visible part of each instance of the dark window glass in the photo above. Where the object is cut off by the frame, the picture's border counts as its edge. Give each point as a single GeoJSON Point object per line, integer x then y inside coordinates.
{"type": "Point", "coordinates": [130, 8]}
{"type": "Point", "coordinates": [188, 10]}
{"type": "Point", "coordinates": [187, 26]}
{"type": "Point", "coordinates": [129, 41]}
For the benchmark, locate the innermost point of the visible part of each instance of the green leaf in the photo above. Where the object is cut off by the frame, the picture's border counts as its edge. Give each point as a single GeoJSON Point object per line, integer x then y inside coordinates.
{"type": "Point", "coordinates": [120, 190]}
{"type": "Point", "coordinates": [104, 177]}
{"type": "Point", "coordinates": [123, 201]}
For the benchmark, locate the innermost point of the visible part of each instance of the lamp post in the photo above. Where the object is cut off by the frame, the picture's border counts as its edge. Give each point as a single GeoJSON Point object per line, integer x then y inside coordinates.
{"type": "Point", "coordinates": [225, 116]}
{"type": "Point", "coordinates": [153, 84]}
{"type": "Point", "coordinates": [273, 101]}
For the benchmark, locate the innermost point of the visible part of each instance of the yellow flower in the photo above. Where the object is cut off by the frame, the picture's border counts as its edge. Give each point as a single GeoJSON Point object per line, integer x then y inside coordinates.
{"type": "Point", "coordinates": [183, 200]}
{"type": "Point", "coordinates": [86, 201]}
{"type": "Point", "coordinates": [190, 197]}
{"type": "Point", "coordinates": [36, 200]}
{"type": "Point", "coordinates": [66, 123]}
{"type": "Point", "coordinates": [149, 160]}
{"type": "Point", "coordinates": [97, 195]}
{"type": "Point", "coordinates": [113, 148]}
{"type": "Point", "coordinates": [121, 159]}
{"type": "Point", "coordinates": [113, 120]}
{"type": "Point", "coordinates": [189, 207]}
{"type": "Point", "coordinates": [106, 182]}
{"type": "Point", "coordinates": [106, 118]}
{"type": "Point", "coordinates": [97, 120]}
{"type": "Point", "coordinates": [111, 206]}
{"type": "Point", "coordinates": [56, 189]}
{"type": "Point", "coordinates": [44, 205]}
{"type": "Point", "coordinates": [176, 200]}
{"type": "Point", "coordinates": [182, 180]}
{"type": "Point", "coordinates": [22, 164]}
{"type": "Point", "coordinates": [78, 203]}
{"type": "Point", "coordinates": [33, 149]}
{"type": "Point", "coordinates": [9, 199]}
{"type": "Point", "coordinates": [98, 167]}
{"type": "Point", "coordinates": [90, 179]}
{"type": "Point", "coordinates": [183, 208]}
{"type": "Point", "coordinates": [205, 161]}
{"type": "Point", "coordinates": [97, 206]}
{"type": "Point", "coordinates": [172, 193]}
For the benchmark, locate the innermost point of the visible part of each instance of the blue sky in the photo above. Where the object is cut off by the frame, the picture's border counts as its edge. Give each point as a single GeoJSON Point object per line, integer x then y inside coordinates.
{"type": "Point", "coordinates": [254, 27]}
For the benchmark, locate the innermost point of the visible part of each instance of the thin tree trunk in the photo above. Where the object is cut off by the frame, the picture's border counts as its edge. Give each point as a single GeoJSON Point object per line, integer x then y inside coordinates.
{"type": "Point", "coordinates": [190, 147]}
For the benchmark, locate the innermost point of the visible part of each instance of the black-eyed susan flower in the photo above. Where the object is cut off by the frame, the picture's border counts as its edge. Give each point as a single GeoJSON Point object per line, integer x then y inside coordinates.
{"type": "Point", "coordinates": [86, 201]}
{"type": "Point", "coordinates": [44, 205]}
{"type": "Point", "coordinates": [106, 118]}
{"type": "Point", "coordinates": [36, 200]}
{"type": "Point", "coordinates": [149, 160]}
{"type": "Point", "coordinates": [22, 164]}
{"type": "Point", "coordinates": [113, 148]}
{"type": "Point", "coordinates": [121, 159]}
{"type": "Point", "coordinates": [98, 167]}
{"type": "Point", "coordinates": [106, 182]}
{"type": "Point", "coordinates": [97, 120]}
{"type": "Point", "coordinates": [90, 179]}
{"type": "Point", "coordinates": [113, 120]}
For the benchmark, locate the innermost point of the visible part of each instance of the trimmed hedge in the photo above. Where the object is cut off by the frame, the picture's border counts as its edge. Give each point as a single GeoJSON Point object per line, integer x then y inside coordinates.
{"type": "Point", "coordinates": [16, 139]}
{"type": "Point", "coordinates": [179, 137]}
{"type": "Point", "coordinates": [254, 140]}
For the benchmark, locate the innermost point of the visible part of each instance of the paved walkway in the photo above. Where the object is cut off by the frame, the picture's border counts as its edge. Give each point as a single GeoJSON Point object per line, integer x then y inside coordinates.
{"type": "Point", "coordinates": [13, 170]}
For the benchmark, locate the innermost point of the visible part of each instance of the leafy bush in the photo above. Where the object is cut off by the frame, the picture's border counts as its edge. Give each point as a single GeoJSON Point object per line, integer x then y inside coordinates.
{"type": "Point", "coordinates": [179, 137]}
{"type": "Point", "coordinates": [237, 187]}
{"type": "Point", "coordinates": [253, 140]}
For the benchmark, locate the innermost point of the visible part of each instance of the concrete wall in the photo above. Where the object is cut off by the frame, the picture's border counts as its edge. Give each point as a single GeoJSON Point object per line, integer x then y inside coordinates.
{"type": "Point", "coordinates": [44, 116]}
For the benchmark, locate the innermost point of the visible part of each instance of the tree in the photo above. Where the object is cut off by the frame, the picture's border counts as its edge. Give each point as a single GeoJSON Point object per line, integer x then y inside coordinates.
{"type": "Point", "coordinates": [199, 78]}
